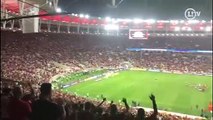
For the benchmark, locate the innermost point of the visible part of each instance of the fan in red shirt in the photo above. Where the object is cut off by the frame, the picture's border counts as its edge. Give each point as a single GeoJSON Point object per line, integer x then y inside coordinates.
{"type": "Point", "coordinates": [17, 108]}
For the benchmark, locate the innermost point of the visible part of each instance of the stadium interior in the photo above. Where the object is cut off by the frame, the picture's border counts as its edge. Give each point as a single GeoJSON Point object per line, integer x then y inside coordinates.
{"type": "Point", "coordinates": [61, 65]}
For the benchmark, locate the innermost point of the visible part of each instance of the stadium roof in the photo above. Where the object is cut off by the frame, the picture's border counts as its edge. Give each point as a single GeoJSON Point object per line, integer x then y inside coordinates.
{"type": "Point", "coordinates": [96, 7]}
{"type": "Point", "coordinates": [12, 5]}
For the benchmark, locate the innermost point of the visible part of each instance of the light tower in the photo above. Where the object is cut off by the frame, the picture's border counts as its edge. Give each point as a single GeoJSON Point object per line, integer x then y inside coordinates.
{"type": "Point", "coordinates": [115, 4]}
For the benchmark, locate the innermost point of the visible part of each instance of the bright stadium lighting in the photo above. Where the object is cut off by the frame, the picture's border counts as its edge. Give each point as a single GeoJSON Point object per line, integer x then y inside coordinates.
{"type": "Point", "coordinates": [208, 29]}
{"type": "Point", "coordinates": [177, 28]}
{"type": "Point", "coordinates": [196, 34]}
{"type": "Point", "coordinates": [108, 19]}
{"type": "Point", "coordinates": [86, 16]}
{"type": "Point", "coordinates": [58, 10]}
{"type": "Point", "coordinates": [136, 20]}
{"type": "Point", "coordinates": [114, 20]}
{"type": "Point", "coordinates": [174, 21]}
{"type": "Point", "coordinates": [50, 3]}
{"type": "Point", "coordinates": [182, 21]}
{"type": "Point", "coordinates": [189, 29]}
{"type": "Point", "coordinates": [183, 28]}
{"type": "Point", "coordinates": [203, 21]}
{"type": "Point", "coordinates": [163, 21]}
{"type": "Point", "coordinates": [151, 21]}
{"type": "Point", "coordinates": [127, 20]}
{"type": "Point", "coordinates": [192, 34]}
{"type": "Point", "coordinates": [193, 21]}
{"type": "Point", "coordinates": [177, 34]}
{"type": "Point", "coordinates": [111, 27]}
{"type": "Point", "coordinates": [167, 34]}
{"type": "Point", "coordinates": [81, 15]}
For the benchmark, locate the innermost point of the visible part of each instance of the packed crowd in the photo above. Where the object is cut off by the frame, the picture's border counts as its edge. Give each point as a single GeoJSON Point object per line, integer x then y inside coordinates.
{"type": "Point", "coordinates": [36, 58]}
{"type": "Point", "coordinates": [39, 57]}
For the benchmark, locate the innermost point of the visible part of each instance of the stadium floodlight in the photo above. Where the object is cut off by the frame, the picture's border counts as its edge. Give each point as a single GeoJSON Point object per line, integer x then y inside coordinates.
{"type": "Point", "coordinates": [208, 29]}
{"type": "Point", "coordinates": [203, 21]}
{"type": "Point", "coordinates": [174, 21]}
{"type": "Point", "coordinates": [136, 20]}
{"type": "Point", "coordinates": [114, 20]}
{"type": "Point", "coordinates": [177, 34]}
{"type": "Point", "coordinates": [58, 10]}
{"type": "Point", "coordinates": [151, 21]}
{"type": "Point", "coordinates": [193, 21]}
{"type": "Point", "coordinates": [189, 29]}
{"type": "Point", "coordinates": [167, 34]}
{"type": "Point", "coordinates": [127, 20]}
{"type": "Point", "coordinates": [182, 21]}
{"type": "Point", "coordinates": [108, 19]}
{"type": "Point", "coordinates": [181, 34]}
{"type": "Point", "coordinates": [177, 28]}
{"type": "Point", "coordinates": [162, 21]}
{"type": "Point", "coordinates": [111, 27]}
{"type": "Point", "coordinates": [86, 16]}
{"type": "Point", "coordinates": [50, 3]}
{"type": "Point", "coordinates": [196, 34]}
{"type": "Point", "coordinates": [163, 34]}
{"type": "Point", "coordinates": [192, 34]}
{"type": "Point", "coordinates": [183, 28]}
{"type": "Point", "coordinates": [81, 15]}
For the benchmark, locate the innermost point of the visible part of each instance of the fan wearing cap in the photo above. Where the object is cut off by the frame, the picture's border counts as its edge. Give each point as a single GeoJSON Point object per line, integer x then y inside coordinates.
{"type": "Point", "coordinates": [43, 108]}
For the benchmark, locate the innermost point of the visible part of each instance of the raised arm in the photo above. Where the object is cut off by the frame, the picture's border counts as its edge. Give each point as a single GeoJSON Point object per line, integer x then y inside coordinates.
{"type": "Point", "coordinates": [104, 99]}
{"type": "Point", "coordinates": [152, 97]}
{"type": "Point", "coordinates": [126, 104]}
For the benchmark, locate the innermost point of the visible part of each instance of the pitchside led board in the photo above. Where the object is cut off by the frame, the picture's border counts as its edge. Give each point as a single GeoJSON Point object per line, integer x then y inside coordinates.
{"type": "Point", "coordinates": [138, 34]}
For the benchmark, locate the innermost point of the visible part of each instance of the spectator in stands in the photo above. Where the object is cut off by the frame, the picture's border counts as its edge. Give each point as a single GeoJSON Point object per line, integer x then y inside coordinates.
{"type": "Point", "coordinates": [17, 108]}
{"type": "Point", "coordinates": [44, 108]}
{"type": "Point", "coordinates": [141, 112]}
{"type": "Point", "coordinates": [5, 96]}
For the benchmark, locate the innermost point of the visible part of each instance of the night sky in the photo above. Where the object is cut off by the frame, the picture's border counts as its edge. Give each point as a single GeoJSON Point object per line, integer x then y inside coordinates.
{"type": "Point", "coordinates": [145, 9]}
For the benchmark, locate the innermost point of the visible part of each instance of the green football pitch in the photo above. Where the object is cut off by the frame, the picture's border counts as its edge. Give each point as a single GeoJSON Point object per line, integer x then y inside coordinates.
{"type": "Point", "coordinates": [174, 92]}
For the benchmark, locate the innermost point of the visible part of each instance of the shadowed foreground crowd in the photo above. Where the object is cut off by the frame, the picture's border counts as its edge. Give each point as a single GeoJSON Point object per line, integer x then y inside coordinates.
{"type": "Point", "coordinates": [22, 102]}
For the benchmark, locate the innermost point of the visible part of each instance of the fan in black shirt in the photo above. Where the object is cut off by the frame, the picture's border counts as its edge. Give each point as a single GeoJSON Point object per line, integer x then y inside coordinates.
{"type": "Point", "coordinates": [44, 109]}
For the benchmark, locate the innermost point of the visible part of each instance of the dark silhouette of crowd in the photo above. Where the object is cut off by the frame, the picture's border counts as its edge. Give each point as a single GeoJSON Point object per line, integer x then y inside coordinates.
{"type": "Point", "coordinates": [30, 61]}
